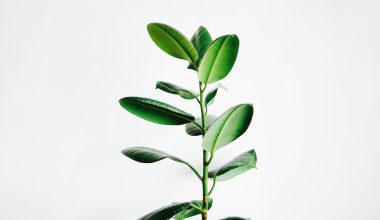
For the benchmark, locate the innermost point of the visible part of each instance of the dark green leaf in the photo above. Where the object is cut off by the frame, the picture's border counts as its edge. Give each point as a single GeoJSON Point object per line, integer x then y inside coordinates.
{"type": "Point", "coordinates": [218, 59]}
{"type": "Point", "coordinates": [195, 130]}
{"type": "Point", "coordinates": [150, 155]}
{"type": "Point", "coordinates": [174, 89]}
{"type": "Point", "coordinates": [236, 166]}
{"type": "Point", "coordinates": [201, 41]}
{"type": "Point", "coordinates": [210, 96]}
{"type": "Point", "coordinates": [191, 67]}
{"type": "Point", "coordinates": [172, 42]}
{"type": "Point", "coordinates": [155, 111]}
{"type": "Point", "coordinates": [191, 211]}
{"type": "Point", "coordinates": [166, 212]}
{"type": "Point", "coordinates": [228, 127]}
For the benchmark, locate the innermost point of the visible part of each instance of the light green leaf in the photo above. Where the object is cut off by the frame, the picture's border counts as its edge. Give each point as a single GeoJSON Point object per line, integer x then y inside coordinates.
{"type": "Point", "coordinates": [166, 212]}
{"type": "Point", "coordinates": [235, 218]}
{"type": "Point", "coordinates": [228, 127]}
{"type": "Point", "coordinates": [218, 59]}
{"type": "Point", "coordinates": [236, 166]}
{"type": "Point", "coordinates": [191, 211]}
{"type": "Point", "coordinates": [174, 89]}
{"type": "Point", "coordinates": [194, 128]}
{"type": "Point", "coordinates": [155, 111]}
{"type": "Point", "coordinates": [172, 42]}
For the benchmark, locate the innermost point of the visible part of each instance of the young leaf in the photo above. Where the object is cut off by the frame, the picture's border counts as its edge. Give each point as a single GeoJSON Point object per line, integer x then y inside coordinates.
{"type": "Point", "coordinates": [174, 89]}
{"type": "Point", "coordinates": [150, 155]}
{"type": "Point", "coordinates": [236, 166]}
{"type": "Point", "coordinates": [218, 59]}
{"type": "Point", "coordinates": [228, 127]}
{"type": "Point", "coordinates": [235, 218]}
{"type": "Point", "coordinates": [155, 111]}
{"type": "Point", "coordinates": [191, 211]}
{"type": "Point", "coordinates": [194, 128]}
{"type": "Point", "coordinates": [210, 96]}
{"type": "Point", "coordinates": [172, 42]}
{"type": "Point", "coordinates": [201, 40]}
{"type": "Point", "coordinates": [166, 212]}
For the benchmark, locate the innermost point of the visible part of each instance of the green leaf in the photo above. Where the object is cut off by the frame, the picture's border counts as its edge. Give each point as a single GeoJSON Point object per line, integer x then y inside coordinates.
{"type": "Point", "coordinates": [174, 89]}
{"type": "Point", "coordinates": [166, 212]}
{"type": "Point", "coordinates": [150, 155]}
{"type": "Point", "coordinates": [218, 59]}
{"type": "Point", "coordinates": [210, 96]}
{"type": "Point", "coordinates": [236, 166]}
{"type": "Point", "coordinates": [172, 42]}
{"type": "Point", "coordinates": [191, 211]}
{"type": "Point", "coordinates": [155, 111]}
{"type": "Point", "coordinates": [201, 40]}
{"type": "Point", "coordinates": [228, 127]}
{"type": "Point", "coordinates": [194, 128]}
{"type": "Point", "coordinates": [191, 66]}
{"type": "Point", "coordinates": [235, 218]}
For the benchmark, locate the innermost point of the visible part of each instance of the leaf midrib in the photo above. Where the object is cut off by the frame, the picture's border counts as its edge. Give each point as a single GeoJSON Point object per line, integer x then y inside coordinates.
{"type": "Point", "coordinates": [224, 122]}
{"type": "Point", "coordinates": [216, 57]}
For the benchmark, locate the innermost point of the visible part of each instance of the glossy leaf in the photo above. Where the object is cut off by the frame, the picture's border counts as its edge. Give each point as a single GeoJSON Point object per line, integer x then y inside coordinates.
{"type": "Point", "coordinates": [211, 96]}
{"type": "Point", "coordinates": [201, 40]}
{"type": "Point", "coordinates": [195, 130]}
{"type": "Point", "coordinates": [235, 218]}
{"type": "Point", "coordinates": [155, 111]}
{"type": "Point", "coordinates": [191, 211]}
{"type": "Point", "coordinates": [236, 166]}
{"type": "Point", "coordinates": [172, 42]}
{"type": "Point", "coordinates": [218, 59]}
{"type": "Point", "coordinates": [174, 89]}
{"type": "Point", "coordinates": [166, 212]}
{"type": "Point", "coordinates": [228, 127]}
{"type": "Point", "coordinates": [150, 155]}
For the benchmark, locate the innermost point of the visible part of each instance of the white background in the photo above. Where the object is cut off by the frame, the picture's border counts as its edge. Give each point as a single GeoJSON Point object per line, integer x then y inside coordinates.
{"type": "Point", "coordinates": [311, 69]}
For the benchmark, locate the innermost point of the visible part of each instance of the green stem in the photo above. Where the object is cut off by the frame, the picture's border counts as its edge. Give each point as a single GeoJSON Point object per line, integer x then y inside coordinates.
{"type": "Point", "coordinates": [205, 155]}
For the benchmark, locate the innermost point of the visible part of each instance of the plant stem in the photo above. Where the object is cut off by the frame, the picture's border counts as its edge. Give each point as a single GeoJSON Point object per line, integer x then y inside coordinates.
{"type": "Point", "coordinates": [205, 155]}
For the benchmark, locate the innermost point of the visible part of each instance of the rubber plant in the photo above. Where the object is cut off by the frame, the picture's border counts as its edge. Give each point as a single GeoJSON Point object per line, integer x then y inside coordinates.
{"type": "Point", "coordinates": [213, 61]}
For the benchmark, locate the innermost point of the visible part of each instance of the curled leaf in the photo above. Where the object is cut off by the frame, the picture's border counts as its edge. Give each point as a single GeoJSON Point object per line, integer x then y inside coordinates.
{"type": "Point", "coordinates": [174, 89]}
{"type": "Point", "coordinates": [236, 166]}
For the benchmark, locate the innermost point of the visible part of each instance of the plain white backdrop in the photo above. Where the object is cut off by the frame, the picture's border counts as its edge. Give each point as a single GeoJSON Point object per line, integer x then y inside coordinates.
{"type": "Point", "coordinates": [311, 69]}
